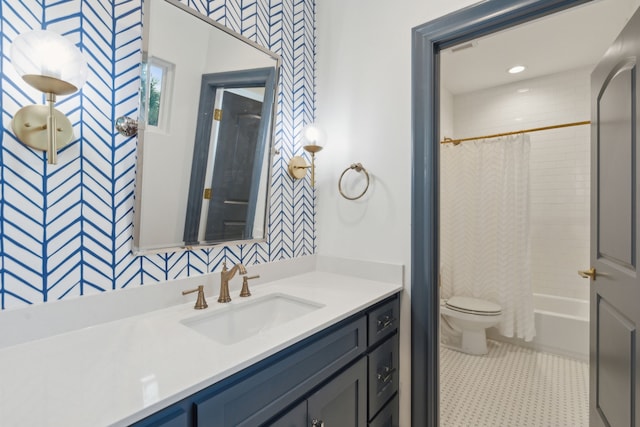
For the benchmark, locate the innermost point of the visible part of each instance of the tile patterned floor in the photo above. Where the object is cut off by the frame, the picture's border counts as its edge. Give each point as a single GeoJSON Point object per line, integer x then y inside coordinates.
{"type": "Point", "coordinates": [512, 386]}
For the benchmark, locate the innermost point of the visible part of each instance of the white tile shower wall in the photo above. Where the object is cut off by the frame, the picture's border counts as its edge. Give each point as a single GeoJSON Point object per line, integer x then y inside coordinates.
{"type": "Point", "coordinates": [559, 169]}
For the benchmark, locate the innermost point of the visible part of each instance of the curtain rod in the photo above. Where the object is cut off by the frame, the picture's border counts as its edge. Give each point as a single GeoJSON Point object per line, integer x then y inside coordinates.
{"type": "Point", "coordinates": [564, 125]}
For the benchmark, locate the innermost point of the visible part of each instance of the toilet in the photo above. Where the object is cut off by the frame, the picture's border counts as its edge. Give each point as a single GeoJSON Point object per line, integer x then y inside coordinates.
{"type": "Point", "coordinates": [468, 318]}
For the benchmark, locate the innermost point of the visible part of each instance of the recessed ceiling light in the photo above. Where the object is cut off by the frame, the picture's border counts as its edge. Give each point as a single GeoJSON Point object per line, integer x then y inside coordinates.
{"type": "Point", "coordinates": [523, 90]}
{"type": "Point", "coordinates": [517, 69]}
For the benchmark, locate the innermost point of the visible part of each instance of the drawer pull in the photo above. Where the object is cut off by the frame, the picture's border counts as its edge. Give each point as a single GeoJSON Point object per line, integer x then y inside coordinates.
{"type": "Point", "coordinates": [385, 374]}
{"type": "Point", "coordinates": [385, 322]}
{"type": "Point", "coordinates": [317, 423]}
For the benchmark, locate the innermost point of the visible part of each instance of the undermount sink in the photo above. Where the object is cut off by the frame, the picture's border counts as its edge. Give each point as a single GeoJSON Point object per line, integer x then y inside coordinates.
{"type": "Point", "coordinates": [237, 322]}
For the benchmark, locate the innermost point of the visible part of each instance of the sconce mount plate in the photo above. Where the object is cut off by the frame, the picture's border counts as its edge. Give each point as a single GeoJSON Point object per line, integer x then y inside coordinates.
{"type": "Point", "coordinates": [297, 167]}
{"type": "Point", "coordinates": [30, 126]}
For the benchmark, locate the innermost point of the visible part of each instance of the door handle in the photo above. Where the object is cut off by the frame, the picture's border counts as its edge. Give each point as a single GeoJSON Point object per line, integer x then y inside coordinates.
{"type": "Point", "coordinates": [588, 274]}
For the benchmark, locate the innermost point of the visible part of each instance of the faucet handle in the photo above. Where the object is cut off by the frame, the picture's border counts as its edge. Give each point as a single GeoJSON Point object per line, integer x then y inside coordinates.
{"type": "Point", "coordinates": [245, 285]}
{"type": "Point", "coordinates": [201, 303]}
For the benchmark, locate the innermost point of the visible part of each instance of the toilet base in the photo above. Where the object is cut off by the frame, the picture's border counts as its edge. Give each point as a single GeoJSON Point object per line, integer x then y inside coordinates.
{"type": "Point", "coordinates": [473, 345]}
{"type": "Point", "coordinates": [474, 342]}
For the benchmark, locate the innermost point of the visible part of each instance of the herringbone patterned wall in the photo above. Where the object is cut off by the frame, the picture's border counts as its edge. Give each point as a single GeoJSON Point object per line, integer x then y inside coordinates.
{"type": "Point", "coordinates": [66, 230]}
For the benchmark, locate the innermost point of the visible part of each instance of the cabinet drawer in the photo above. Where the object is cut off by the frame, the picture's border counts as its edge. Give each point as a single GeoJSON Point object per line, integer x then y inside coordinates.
{"type": "Point", "coordinates": [389, 415]}
{"type": "Point", "coordinates": [383, 320]}
{"type": "Point", "coordinates": [383, 374]}
{"type": "Point", "coordinates": [258, 398]}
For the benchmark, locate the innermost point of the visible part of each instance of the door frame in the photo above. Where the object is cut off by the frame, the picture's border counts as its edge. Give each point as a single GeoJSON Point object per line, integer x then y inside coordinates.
{"type": "Point", "coordinates": [481, 19]}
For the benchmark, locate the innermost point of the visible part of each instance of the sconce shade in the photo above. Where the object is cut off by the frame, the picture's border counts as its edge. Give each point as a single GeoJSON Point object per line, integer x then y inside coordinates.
{"type": "Point", "coordinates": [49, 62]}
{"type": "Point", "coordinates": [313, 138]}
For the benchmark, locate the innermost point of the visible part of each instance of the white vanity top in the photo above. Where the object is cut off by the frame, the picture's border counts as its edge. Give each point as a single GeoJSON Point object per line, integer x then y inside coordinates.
{"type": "Point", "coordinates": [120, 371]}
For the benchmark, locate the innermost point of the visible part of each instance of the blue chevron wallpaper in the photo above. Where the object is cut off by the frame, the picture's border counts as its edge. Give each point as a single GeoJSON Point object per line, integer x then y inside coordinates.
{"type": "Point", "coordinates": [66, 230]}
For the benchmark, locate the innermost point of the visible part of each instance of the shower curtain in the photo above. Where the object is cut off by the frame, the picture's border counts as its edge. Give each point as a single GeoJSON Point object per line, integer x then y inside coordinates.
{"type": "Point", "coordinates": [484, 217]}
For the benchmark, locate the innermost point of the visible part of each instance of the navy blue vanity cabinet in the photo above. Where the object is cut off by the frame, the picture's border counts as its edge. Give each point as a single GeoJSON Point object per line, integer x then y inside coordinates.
{"type": "Point", "coordinates": [384, 320]}
{"type": "Point", "coordinates": [298, 416]}
{"type": "Point", "coordinates": [345, 375]}
{"type": "Point", "coordinates": [340, 402]}
{"type": "Point", "coordinates": [387, 417]}
{"type": "Point", "coordinates": [294, 373]}
{"type": "Point", "coordinates": [383, 374]}
{"type": "Point", "coordinates": [383, 363]}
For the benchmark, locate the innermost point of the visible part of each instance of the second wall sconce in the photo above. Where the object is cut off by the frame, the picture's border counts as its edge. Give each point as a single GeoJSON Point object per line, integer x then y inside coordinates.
{"type": "Point", "coordinates": [55, 66]}
{"type": "Point", "coordinates": [126, 126]}
{"type": "Point", "coordinates": [313, 139]}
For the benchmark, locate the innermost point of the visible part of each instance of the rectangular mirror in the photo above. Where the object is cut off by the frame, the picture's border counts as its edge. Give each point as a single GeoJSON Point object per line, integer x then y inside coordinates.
{"type": "Point", "coordinates": [205, 133]}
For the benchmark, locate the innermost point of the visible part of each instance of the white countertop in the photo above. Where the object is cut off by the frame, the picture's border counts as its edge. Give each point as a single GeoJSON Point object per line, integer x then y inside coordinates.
{"type": "Point", "coordinates": [121, 371]}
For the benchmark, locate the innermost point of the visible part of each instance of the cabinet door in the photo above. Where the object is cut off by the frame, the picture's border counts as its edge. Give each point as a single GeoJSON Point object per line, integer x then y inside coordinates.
{"type": "Point", "coordinates": [389, 415]}
{"type": "Point", "coordinates": [297, 417]}
{"type": "Point", "coordinates": [342, 402]}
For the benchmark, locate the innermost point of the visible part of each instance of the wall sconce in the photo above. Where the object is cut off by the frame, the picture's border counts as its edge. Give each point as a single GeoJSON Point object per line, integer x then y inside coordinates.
{"type": "Point", "coordinates": [313, 139]}
{"type": "Point", "coordinates": [55, 66]}
{"type": "Point", "coordinates": [126, 126]}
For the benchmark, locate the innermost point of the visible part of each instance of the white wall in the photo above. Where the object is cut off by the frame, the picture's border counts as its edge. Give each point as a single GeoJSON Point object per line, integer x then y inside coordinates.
{"type": "Point", "coordinates": [364, 104]}
{"type": "Point", "coordinates": [559, 169]}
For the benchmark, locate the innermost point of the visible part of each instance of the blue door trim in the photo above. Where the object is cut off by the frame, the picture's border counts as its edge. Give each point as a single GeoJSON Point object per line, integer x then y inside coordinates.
{"type": "Point", "coordinates": [428, 39]}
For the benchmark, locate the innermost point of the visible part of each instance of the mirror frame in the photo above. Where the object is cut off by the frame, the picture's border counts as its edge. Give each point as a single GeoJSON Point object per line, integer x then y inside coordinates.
{"type": "Point", "coordinates": [270, 135]}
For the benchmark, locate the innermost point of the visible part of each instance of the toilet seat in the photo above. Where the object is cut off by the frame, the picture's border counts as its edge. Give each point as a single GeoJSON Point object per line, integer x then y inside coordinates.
{"type": "Point", "coordinates": [475, 306]}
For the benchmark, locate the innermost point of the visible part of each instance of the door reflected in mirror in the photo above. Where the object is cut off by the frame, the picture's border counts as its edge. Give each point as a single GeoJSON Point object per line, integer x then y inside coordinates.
{"type": "Point", "coordinates": [205, 140]}
{"type": "Point", "coordinates": [227, 176]}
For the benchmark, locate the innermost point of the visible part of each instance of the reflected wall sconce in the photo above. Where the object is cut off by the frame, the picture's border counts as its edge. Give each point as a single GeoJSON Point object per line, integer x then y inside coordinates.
{"type": "Point", "coordinates": [55, 66]}
{"type": "Point", "coordinates": [313, 139]}
{"type": "Point", "coordinates": [126, 126]}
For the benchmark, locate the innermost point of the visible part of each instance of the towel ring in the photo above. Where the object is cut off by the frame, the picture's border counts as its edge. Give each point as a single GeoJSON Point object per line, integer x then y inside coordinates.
{"type": "Point", "coordinates": [358, 168]}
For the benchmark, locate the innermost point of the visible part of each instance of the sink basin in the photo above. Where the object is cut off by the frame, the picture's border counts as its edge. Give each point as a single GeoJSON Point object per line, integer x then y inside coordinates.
{"type": "Point", "coordinates": [238, 322]}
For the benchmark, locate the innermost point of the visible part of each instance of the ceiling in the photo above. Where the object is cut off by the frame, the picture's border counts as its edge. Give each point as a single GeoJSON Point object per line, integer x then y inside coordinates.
{"type": "Point", "coordinates": [567, 40]}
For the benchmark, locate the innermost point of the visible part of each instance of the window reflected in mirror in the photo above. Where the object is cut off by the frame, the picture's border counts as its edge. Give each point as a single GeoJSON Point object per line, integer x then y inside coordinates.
{"type": "Point", "coordinates": [157, 76]}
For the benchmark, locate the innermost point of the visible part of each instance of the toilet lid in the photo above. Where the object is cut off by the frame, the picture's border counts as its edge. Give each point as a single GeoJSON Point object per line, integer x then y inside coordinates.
{"type": "Point", "coordinates": [473, 305]}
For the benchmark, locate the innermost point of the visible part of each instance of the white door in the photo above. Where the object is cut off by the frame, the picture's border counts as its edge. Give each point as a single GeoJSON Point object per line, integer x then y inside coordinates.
{"type": "Point", "coordinates": [615, 284]}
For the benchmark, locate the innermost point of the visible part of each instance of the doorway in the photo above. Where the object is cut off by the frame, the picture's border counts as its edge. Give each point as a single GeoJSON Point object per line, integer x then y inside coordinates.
{"type": "Point", "coordinates": [429, 41]}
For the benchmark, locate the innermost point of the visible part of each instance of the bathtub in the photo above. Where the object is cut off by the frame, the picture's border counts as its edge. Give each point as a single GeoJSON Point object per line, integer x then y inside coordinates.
{"type": "Point", "coordinates": [562, 327]}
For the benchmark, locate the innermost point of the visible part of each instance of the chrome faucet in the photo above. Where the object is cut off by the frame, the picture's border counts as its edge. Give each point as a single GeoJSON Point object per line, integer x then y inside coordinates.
{"type": "Point", "coordinates": [225, 276]}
